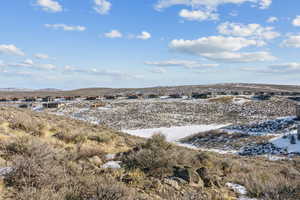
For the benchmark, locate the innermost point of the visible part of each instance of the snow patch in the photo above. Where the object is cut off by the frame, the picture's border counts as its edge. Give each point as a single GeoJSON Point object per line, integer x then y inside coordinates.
{"type": "Point", "coordinates": [174, 133]}
{"type": "Point", "coordinates": [112, 165]}
{"type": "Point", "coordinates": [285, 143]}
{"type": "Point", "coordinates": [240, 190]}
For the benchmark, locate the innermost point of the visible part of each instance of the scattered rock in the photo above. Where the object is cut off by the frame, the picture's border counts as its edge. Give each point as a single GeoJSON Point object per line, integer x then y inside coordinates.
{"type": "Point", "coordinates": [112, 165]}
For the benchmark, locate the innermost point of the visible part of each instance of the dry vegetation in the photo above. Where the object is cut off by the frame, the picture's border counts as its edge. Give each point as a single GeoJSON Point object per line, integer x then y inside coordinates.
{"type": "Point", "coordinates": [57, 158]}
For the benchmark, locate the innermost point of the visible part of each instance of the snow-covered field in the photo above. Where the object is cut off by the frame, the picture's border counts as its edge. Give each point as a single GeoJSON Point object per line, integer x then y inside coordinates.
{"type": "Point", "coordinates": [285, 143]}
{"type": "Point", "coordinates": [175, 133]}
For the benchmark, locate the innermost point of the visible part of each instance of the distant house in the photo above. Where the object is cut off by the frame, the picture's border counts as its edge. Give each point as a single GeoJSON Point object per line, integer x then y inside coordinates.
{"type": "Point", "coordinates": [69, 98]}
{"type": "Point", "coordinates": [221, 93]}
{"type": "Point", "coordinates": [200, 95]}
{"type": "Point", "coordinates": [247, 93]}
{"type": "Point", "coordinates": [235, 93]}
{"type": "Point", "coordinates": [30, 99]}
{"type": "Point", "coordinates": [175, 96]}
{"type": "Point", "coordinates": [109, 97]}
{"type": "Point", "coordinates": [132, 96]}
{"type": "Point", "coordinates": [263, 97]}
{"type": "Point", "coordinates": [25, 105]}
{"type": "Point", "coordinates": [3, 100]}
{"type": "Point", "coordinates": [47, 99]}
{"type": "Point", "coordinates": [298, 111]}
{"type": "Point", "coordinates": [153, 96]}
{"type": "Point", "coordinates": [15, 99]}
{"type": "Point", "coordinates": [294, 98]}
{"type": "Point", "coordinates": [98, 105]}
{"type": "Point", "coordinates": [91, 98]}
{"type": "Point", "coordinates": [51, 105]}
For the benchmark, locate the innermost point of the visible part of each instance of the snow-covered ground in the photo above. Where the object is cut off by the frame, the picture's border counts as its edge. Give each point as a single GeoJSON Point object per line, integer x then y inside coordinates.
{"type": "Point", "coordinates": [240, 190]}
{"type": "Point", "coordinates": [175, 133]}
{"type": "Point", "coordinates": [285, 143]}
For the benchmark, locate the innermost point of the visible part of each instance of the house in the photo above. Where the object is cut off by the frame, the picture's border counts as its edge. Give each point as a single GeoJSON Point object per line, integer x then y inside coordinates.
{"type": "Point", "coordinates": [109, 97]}
{"type": "Point", "coordinates": [263, 97]}
{"type": "Point", "coordinates": [47, 99]}
{"type": "Point", "coordinates": [3, 100]}
{"type": "Point", "coordinates": [175, 96]}
{"type": "Point", "coordinates": [132, 96]}
{"type": "Point", "coordinates": [30, 99]}
{"type": "Point", "coordinates": [248, 93]}
{"type": "Point", "coordinates": [25, 105]}
{"type": "Point", "coordinates": [98, 105]}
{"type": "Point", "coordinates": [69, 98]}
{"type": "Point", "coordinates": [235, 93]}
{"type": "Point", "coordinates": [153, 96]}
{"type": "Point", "coordinates": [15, 99]}
{"type": "Point", "coordinates": [91, 98]}
{"type": "Point", "coordinates": [200, 95]}
{"type": "Point", "coordinates": [51, 105]}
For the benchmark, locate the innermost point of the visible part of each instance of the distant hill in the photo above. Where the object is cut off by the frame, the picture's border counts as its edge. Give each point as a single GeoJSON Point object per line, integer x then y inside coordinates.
{"type": "Point", "coordinates": [187, 89]}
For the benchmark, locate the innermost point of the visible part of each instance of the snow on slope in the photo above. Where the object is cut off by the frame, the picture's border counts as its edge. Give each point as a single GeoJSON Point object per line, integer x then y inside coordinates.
{"type": "Point", "coordinates": [174, 133]}
{"type": "Point", "coordinates": [285, 143]}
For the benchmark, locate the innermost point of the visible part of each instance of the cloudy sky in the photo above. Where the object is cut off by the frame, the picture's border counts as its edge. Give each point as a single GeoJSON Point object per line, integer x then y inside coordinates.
{"type": "Point", "coordinates": [70, 44]}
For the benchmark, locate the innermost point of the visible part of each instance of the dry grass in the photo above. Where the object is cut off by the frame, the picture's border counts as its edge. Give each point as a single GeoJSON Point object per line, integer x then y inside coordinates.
{"type": "Point", "coordinates": [53, 158]}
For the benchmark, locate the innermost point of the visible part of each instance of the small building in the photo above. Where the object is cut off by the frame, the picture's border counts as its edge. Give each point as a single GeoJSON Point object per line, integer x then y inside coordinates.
{"type": "Point", "coordinates": [248, 93]}
{"type": "Point", "coordinates": [132, 96]}
{"type": "Point", "coordinates": [69, 98]}
{"type": "Point", "coordinates": [298, 111]}
{"type": "Point", "coordinates": [15, 99]}
{"type": "Point", "coordinates": [175, 96]}
{"type": "Point", "coordinates": [98, 105]}
{"type": "Point", "coordinates": [47, 99]}
{"type": "Point", "coordinates": [221, 93]}
{"type": "Point", "coordinates": [30, 99]}
{"type": "Point", "coordinates": [51, 105]}
{"type": "Point", "coordinates": [3, 100]}
{"type": "Point", "coordinates": [235, 93]}
{"type": "Point", "coordinates": [262, 97]}
{"type": "Point", "coordinates": [25, 106]}
{"type": "Point", "coordinates": [153, 96]}
{"type": "Point", "coordinates": [200, 95]}
{"type": "Point", "coordinates": [91, 98]}
{"type": "Point", "coordinates": [109, 97]}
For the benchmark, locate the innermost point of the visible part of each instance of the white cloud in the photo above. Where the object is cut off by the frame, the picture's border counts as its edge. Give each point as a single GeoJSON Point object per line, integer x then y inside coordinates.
{"type": "Point", "coordinates": [46, 66]}
{"type": "Point", "coordinates": [102, 6]}
{"type": "Point", "coordinates": [181, 63]}
{"type": "Point", "coordinates": [41, 56]}
{"type": "Point", "coordinates": [65, 27]}
{"type": "Point", "coordinates": [198, 15]}
{"type": "Point", "coordinates": [237, 57]}
{"type": "Point", "coordinates": [103, 72]}
{"type": "Point", "coordinates": [292, 41]}
{"type": "Point", "coordinates": [49, 5]}
{"type": "Point", "coordinates": [264, 4]}
{"type": "Point", "coordinates": [158, 70]}
{"type": "Point", "coordinates": [144, 35]}
{"type": "Point", "coordinates": [209, 4]}
{"type": "Point", "coordinates": [286, 68]}
{"type": "Point", "coordinates": [11, 49]}
{"type": "Point", "coordinates": [255, 31]}
{"type": "Point", "coordinates": [113, 34]}
{"type": "Point", "coordinates": [272, 19]}
{"type": "Point", "coordinates": [212, 44]}
{"type": "Point", "coordinates": [28, 63]}
{"type": "Point", "coordinates": [296, 21]}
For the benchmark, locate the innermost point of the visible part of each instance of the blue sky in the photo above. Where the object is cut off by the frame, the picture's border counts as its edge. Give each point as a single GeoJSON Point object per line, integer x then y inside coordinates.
{"type": "Point", "coordinates": [71, 44]}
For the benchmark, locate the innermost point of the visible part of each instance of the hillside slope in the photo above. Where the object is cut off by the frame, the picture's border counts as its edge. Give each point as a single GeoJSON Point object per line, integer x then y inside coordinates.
{"type": "Point", "coordinates": [45, 156]}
